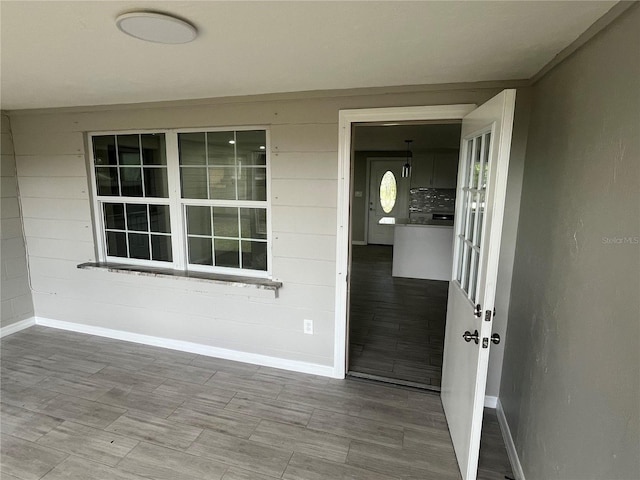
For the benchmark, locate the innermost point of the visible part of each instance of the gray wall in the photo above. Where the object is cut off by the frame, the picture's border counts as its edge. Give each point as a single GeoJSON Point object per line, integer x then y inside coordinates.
{"type": "Point", "coordinates": [16, 296]}
{"type": "Point", "coordinates": [570, 383]}
{"type": "Point", "coordinates": [52, 174]}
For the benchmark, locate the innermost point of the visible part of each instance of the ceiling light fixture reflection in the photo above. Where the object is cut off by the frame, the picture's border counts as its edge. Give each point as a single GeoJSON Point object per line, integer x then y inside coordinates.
{"type": "Point", "coordinates": [232, 142]}
{"type": "Point", "coordinates": [156, 27]}
{"type": "Point", "coordinates": [262, 147]}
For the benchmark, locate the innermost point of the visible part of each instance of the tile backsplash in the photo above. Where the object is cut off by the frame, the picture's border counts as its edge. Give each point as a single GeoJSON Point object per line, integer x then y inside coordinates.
{"type": "Point", "coordinates": [432, 200]}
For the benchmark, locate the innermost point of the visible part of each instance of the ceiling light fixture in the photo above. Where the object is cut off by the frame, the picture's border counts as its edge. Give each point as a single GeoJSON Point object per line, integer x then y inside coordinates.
{"type": "Point", "coordinates": [156, 27]}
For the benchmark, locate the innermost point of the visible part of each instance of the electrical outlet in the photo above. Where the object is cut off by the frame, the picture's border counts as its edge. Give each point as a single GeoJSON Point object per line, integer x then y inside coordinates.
{"type": "Point", "coordinates": [308, 327]}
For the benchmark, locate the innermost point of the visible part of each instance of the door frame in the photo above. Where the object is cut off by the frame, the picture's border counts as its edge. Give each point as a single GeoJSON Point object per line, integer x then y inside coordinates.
{"type": "Point", "coordinates": [347, 118]}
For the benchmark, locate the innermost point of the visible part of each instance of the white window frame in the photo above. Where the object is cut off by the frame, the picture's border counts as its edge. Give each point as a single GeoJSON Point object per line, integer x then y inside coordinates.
{"type": "Point", "coordinates": [177, 205]}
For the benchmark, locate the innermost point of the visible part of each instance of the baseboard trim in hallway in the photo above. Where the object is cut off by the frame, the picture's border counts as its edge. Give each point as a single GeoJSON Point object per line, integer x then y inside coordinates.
{"type": "Point", "coordinates": [190, 347]}
{"type": "Point", "coordinates": [510, 445]}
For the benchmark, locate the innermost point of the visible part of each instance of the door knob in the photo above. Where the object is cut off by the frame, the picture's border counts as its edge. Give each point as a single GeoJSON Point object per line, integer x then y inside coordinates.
{"type": "Point", "coordinates": [495, 338]}
{"type": "Point", "coordinates": [468, 336]}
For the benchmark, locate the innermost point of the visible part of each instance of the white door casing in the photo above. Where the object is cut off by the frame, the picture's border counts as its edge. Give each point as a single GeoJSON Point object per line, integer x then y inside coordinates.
{"type": "Point", "coordinates": [382, 233]}
{"type": "Point", "coordinates": [347, 119]}
{"type": "Point", "coordinates": [486, 141]}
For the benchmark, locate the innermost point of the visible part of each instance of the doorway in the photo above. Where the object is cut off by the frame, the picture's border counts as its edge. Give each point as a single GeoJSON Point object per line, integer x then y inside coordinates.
{"type": "Point", "coordinates": [401, 257]}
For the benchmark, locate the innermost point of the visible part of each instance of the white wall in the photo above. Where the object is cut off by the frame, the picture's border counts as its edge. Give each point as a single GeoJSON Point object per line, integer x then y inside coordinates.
{"type": "Point", "coordinates": [50, 156]}
{"type": "Point", "coordinates": [16, 296]}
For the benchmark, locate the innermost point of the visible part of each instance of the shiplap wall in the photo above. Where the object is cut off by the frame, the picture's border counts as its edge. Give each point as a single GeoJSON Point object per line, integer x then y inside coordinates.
{"type": "Point", "coordinates": [52, 173]}
{"type": "Point", "coordinates": [16, 296]}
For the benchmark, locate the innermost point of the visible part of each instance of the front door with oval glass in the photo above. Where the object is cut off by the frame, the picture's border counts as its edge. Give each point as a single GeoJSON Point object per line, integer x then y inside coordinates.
{"type": "Point", "coordinates": [388, 199]}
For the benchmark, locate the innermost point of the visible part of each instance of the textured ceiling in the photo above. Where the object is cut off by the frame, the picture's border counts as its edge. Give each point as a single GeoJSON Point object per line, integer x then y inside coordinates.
{"type": "Point", "coordinates": [70, 53]}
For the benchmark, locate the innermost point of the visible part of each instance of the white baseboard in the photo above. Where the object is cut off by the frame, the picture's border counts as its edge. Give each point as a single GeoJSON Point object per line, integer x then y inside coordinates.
{"type": "Point", "coordinates": [16, 327]}
{"type": "Point", "coordinates": [358, 242]}
{"type": "Point", "coordinates": [490, 402]}
{"type": "Point", "coordinates": [512, 453]}
{"type": "Point", "coordinates": [190, 347]}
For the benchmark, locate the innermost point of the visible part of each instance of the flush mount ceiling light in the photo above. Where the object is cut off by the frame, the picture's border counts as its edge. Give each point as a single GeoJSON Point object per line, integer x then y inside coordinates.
{"type": "Point", "coordinates": [156, 27]}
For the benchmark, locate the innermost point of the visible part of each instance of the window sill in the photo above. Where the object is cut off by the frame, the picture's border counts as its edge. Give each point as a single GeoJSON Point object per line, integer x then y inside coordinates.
{"type": "Point", "coordinates": [226, 280]}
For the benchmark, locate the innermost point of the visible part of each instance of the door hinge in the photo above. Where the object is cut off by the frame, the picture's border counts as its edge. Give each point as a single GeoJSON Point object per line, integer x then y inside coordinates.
{"type": "Point", "coordinates": [487, 316]}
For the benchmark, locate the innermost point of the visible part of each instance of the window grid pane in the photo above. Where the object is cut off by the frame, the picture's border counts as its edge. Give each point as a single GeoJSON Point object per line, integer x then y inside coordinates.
{"type": "Point", "coordinates": [121, 171]}
{"type": "Point", "coordinates": [137, 230]}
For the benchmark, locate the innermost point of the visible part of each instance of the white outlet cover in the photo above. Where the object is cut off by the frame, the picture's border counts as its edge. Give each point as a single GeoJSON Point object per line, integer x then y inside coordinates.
{"type": "Point", "coordinates": [308, 327]}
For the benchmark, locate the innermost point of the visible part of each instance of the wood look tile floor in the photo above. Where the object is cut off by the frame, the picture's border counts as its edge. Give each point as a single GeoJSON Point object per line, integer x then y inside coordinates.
{"type": "Point", "coordinates": [396, 325]}
{"type": "Point", "coordinates": [76, 406]}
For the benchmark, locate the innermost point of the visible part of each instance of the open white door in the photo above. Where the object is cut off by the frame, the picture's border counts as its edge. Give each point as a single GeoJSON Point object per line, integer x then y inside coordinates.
{"type": "Point", "coordinates": [482, 184]}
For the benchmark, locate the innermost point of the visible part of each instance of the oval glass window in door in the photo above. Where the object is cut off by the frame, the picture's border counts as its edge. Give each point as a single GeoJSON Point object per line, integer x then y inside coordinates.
{"type": "Point", "coordinates": [388, 191]}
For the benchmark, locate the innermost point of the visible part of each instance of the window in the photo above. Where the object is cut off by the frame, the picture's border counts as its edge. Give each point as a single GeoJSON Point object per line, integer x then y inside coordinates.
{"type": "Point", "coordinates": [388, 191]}
{"type": "Point", "coordinates": [187, 200]}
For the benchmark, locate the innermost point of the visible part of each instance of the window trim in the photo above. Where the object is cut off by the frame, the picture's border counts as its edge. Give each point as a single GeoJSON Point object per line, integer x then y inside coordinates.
{"type": "Point", "coordinates": [177, 204]}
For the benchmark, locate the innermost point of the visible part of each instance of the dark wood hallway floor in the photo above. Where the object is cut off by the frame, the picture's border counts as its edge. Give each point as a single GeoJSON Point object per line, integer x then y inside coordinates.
{"type": "Point", "coordinates": [396, 324]}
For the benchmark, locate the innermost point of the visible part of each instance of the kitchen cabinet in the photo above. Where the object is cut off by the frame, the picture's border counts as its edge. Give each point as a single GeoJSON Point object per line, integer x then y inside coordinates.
{"type": "Point", "coordinates": [435, 169]}
{"type": "Point", "coordinates": [445, 170]}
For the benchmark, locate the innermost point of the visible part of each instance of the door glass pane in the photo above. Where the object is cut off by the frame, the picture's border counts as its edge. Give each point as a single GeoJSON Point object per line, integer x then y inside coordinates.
{"type": "Point", "coordinates": [137, 217]}
{"type": "Point", "coordinates": [129, 149]}
{"type": "Point", "coordinates": [227, 253]}
{"type": "Point", "coordinates": [466, 267]}
{"type": "Point", "coordinates": [388, 191]}
{"type": "Point", "coordinates": [194, 182]}
{"type": "Point", "coordinates": [139, 246]}
{"type": "Point", "coordinates": [114, 216]}
{"type": "Point", "coordinates": [254, 255]}
{"type": "Point", "coordinates": [473, 275]}
{"type": "Point", "coordinates": [153, 149]}
{"type": "Point", "coordinates": [252, 183]}
{"type": "Point", "coordinates": [468, 163]}
{"type": "Point", "coordinates": [200, 251]}
{"type": "Point", "coordinates": [251, 147]}
{"type": "Point", "coordinates": [225, 222]}
{"type": "Point", "coordinates": [116, 244]}
{"type": "Point", "coordinates": [477, 161]}
{"type": "Point", "coordinates": [159, 220]}
{"type": "Point", "coordinates": [460, 253]}
{"type": "Point", "coordinates": [487, 144]}
{"type": "Point", "coordinates": [221, 148]}
{"type": "Point", "coordinates": [191, 148]}
{"type": "Point", "coordinates": [104, 150]}
{"type": "Point", "coordinates": [161, 248]}
{"type": "Point", "coordinates": [222, 183]}
{"type": "Point", "coordinates": [198, 220]}
{"type": "Point", "coordinates": [479, 209]}
{"type": "Point", "coordinates": [253, 222]}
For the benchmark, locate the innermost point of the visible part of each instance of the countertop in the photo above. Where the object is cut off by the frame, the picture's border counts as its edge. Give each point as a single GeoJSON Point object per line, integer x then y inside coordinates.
{"type": "Point", "coordinates": [405, 222]}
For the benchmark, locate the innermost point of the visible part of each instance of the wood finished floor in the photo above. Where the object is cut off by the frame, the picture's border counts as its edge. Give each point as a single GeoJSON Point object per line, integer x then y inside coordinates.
{"type": "Point", "coordinates": [396, 324]}
{"type": "Point", "coordinates": [76, 406]}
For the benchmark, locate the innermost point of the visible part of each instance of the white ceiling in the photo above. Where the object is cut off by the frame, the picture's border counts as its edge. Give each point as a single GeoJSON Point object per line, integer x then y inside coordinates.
{"type": "Point", "coordinates": [70, 53]}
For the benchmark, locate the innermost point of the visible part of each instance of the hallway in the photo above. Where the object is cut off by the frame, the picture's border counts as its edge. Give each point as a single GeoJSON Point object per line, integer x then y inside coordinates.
{"type": "Point", "coordinates": [396, 324]}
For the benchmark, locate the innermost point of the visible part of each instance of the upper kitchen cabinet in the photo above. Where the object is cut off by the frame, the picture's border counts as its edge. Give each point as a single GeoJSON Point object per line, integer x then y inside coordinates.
{"type": "Point", "coordinates": [445, 169]}
{"type": "Point", "coordinates": [435, 169]}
